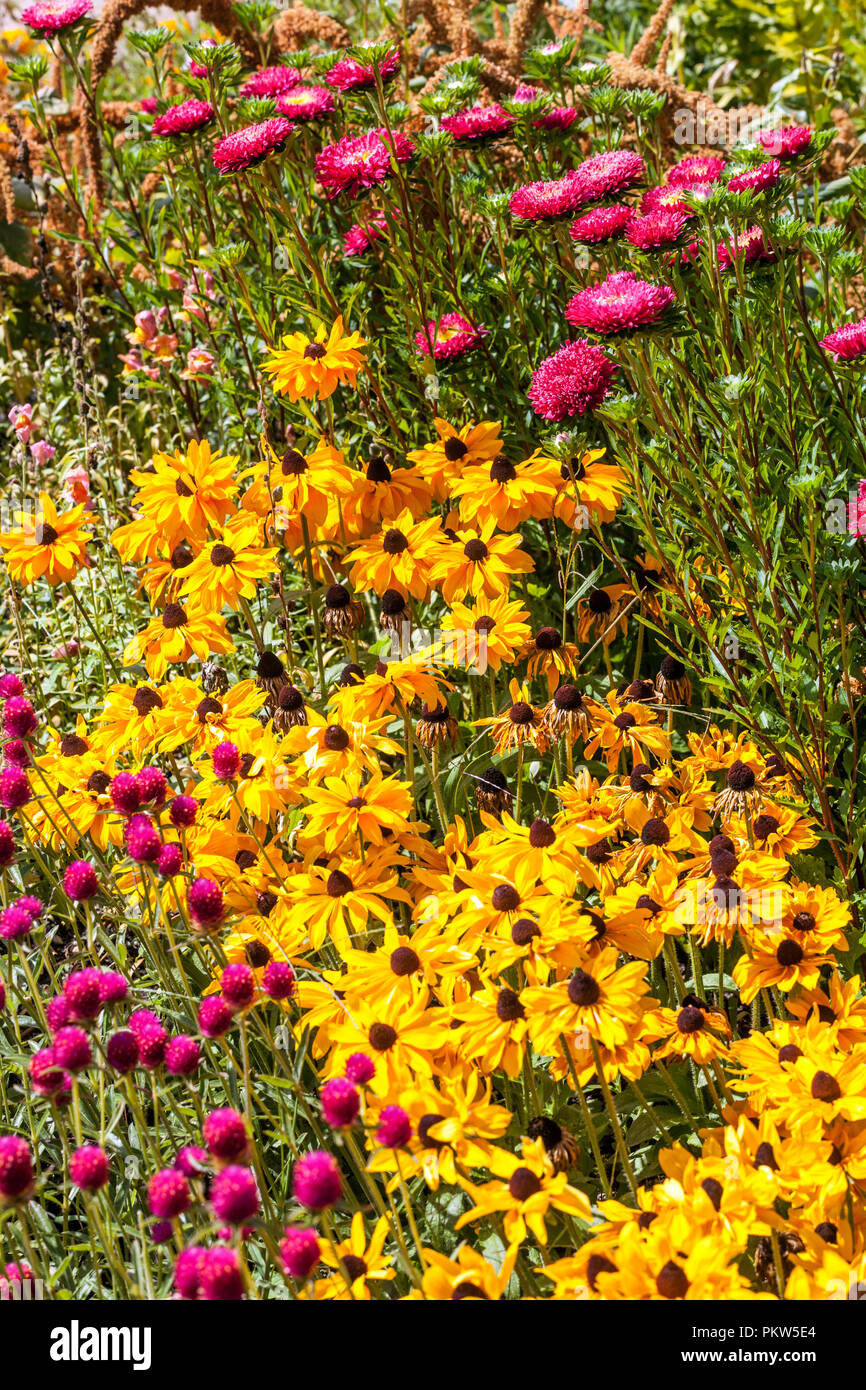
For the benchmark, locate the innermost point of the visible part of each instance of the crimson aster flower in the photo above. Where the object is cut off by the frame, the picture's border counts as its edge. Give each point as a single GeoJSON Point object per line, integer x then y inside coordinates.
{"type": "Point", "coordinates": [757, 180]}
{"type": "Point", "coordinates": [451, 337]}
{"type": "Point", "coordinates": [620, 304]}
{"type": "Point", "coordinates": [478, 123]}
{"type": "Point", "coordinates": [609, 172]}
{"type": "Point", "coordinates": [348, 75]}
{"type": "Point", "coordinates": [52, 16]}
{"type": "Point", "coordinates": [545, 201]}
{"type": "Point", "coordinates": [657, 229]}
{"type": "Point", "coordinates": [698, 168]}
{"type": "Point", "coordinates": [575, 380]}
{"type": "Point", "coordinates": [787, 141]}
{"type": "Point", "coordinates": [750, 246]}
{"type": "Point", "coordinates": [848, 342]}
{"type": "Point", "coordinates": [184, 118]}
{"type": "Point", "coordinates": [306, 103]}
{"type": "Point", "coordinates": [359, 162]}
{"type": "Point", "coordinates": [601, 224]}
{"type": "Point", "coordinates": [555, 118]}
{"type": "Point", "coordinates": [362, 235]}
{"type": "Point", "coordinates": [270, 82]}
{"type": "Point", "coordinates": [669, 199]}
{"type": "Point", "coordinates": [249, 146]}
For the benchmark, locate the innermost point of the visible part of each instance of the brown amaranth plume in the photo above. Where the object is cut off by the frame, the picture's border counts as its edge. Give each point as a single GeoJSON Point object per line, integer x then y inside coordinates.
{"type": "Point", "coordinates": [296, 26]}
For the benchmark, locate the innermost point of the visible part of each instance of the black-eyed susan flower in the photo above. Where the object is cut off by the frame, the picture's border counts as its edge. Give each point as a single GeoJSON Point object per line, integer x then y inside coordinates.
{"type": "Point", "coordinates": [444, 460]}
{"type": "Point", "coordinates": [355, 1261]}
{"type": "Point", "coordinates": [400, 556]}
{"type": "Point", "coordinates": [181, 498]}
{"type": "Point", "coordinates": [47, 544]}
{"type": "Point", "coordinates": [174, 636]}
{"type": "Point", "coordinates": [304, 368]}
{"type": "Point", "coordinates": [524, 1191]}
{"type": "Point", "coordinates": [478, 563]}
{"type": "Point", "coordinates": [229, 567]}
{"type": "Point", "coordinates": [507, 493]}
{"type": "Point", "coordinates": [344, 808]}
{"type": "Point", "coordinates": [486, 636]}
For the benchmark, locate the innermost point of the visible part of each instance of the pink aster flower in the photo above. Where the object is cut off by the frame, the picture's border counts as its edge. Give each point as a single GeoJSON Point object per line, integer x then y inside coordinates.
{"type": "Point", "coordinates": [609, 172]}
{"type": "Point", "coordinates": [359, 162]}
{"type": "Point", "coordinates": [698, 168]}
{"type": "Point", "coordinates": [306, 103]}
{"type": "Point", "coordinates": [856, 505]}
{"type": "Point", "coordinates": [545, 201]}
{"type": "Point", "coordinates": [657, 229]}
{"type": "Point", "coordinates": [757, 180]}
{"type": "Point", "coordinates": [554, 118]}
{"type": "Point", "coordinates": [847, 343]}
{"type": "Point", "coordinates": [601, 224]}
{"type": "Point", "coordinates": [348, 75]}
{"type": "Point", "coordinates": [787, 142]}
{"type": "Point", "coordinates": [247, 147]}
{"type": "Point", "coordinates": [575, 380]}
{"type": "Point", "coordinates": [749, 247]}
{"type": "Point", "coordinates": [51, 16]}
{"type": "Point", "coordinates": [669, 199]}
{"type": "Point", "coordinates": [478, 123]}
{"type": "Point", "coordinates": [451, 337]}
{"type": "Point", "coordinates": [270, 82]}
{"type": "Point", "coordinates": [620, 304]}
{"type": "Point", "coordinates": [361, 236]}
{"type": "Point", "coordinates": [184, 118]}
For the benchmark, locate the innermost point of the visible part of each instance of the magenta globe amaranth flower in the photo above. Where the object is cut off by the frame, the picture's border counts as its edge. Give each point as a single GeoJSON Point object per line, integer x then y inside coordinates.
{"type": "Point", "coordinates": [46, 1077]}
{"type": "Point", "coordinates": [360, 1068]}
{"type": "Point", "coordinates": [226, 760]}
{"type": "Point", "coordinates": [7, 844]}
{"type": "Point", "coordinates": [169, 861]}
{"type": "Point", "coordinates": [182, 1056]}
{"type": "Point", "coordinates": [80, 882]}
{"type": "Point", "coordinates": [214, 1017]}
{"type": "Point", "coordinates": [238, 986]}
{"type": "Point", "coordinates": [183, 811]}
{"type": "Point", "coordinates": [357, 163]}
{"type": "Point", "coordinates": [573, 381]}
{"type": "Point", "coordinates": [168, 1194]}
{"type": "Point", "coordinates": [188, 1271]}
{"type": "Point", "coordinates": [449, 337]}
{"type": "Point", "coordinates": [847, 343]}
{"type": "Point", "coordinates": [10, 682]}
{"type": "Point", "coordinates": [300, 1251]}
{"type": "Point", "coordinates": [278, 980]}
{"type": "Point", "coordinates": [205, 900]}
{"type": "Point", "coordinates": [57, 1012]}
{"type": "Point", "coordinates": [143, 841]}
{"type": "Point", "coordinates": [152, 785]}
{"type": "Point", "coordinates": [125, 793]}
{"type": "Point", "coordinates": [225, 1134]}
{"type": "Point", "coordinates": [316, 1181]}
{"type": "Point", "coordinates": [113, 987]}
{"type": "Point", "coordinates": [395, 1127]}
{"type": "Point", "coordinates": [152, 1045]}
{"type": "Point", "coordinates": [234, 1195]}
{"type": "Point", "coordinates": [15, 922]}
{"type": "Point", "coordinates": [19, 717]}
{"type": "Point", "coordinates": [16, 1168]}
{"type": "Point", "coordinates": [14, 788]}
{"type": "Point", "coordinates": [121, 1051]}
{"type": "Point", "coordinates": [341, 1102]}
{"type": "Point", "coordinates": [140, 1019]}
{"type": "Point", "coordinates": [242, 149]}
{"type": "Point", "coordinates": [191, 1160]}
{"type": "Point", "coordinates": [83, 992]}
{"type": "Point", "coordinates": [622, 303]}
{"type": "Point", "coordinates": [88, 1168]}
{"type": "Point", "coordinates": [221, 1277]}
{"type": "Point", "coordinates": [184, 119]}
{"type": "Point", "coordinates": [72, 1048]}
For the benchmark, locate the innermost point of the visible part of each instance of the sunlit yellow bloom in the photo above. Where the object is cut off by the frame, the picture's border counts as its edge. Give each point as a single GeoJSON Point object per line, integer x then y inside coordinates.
{"type": "Point", "coordinates": [46, 545]}
{"type": "Point", "coordinates": [305, 369]}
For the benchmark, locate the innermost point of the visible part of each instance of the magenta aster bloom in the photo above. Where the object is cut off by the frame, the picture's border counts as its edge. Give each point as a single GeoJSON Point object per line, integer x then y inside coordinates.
{"type": "Point", "coordinates": [184, 118]}
{"type": "Point", "coordinates": [575, 380]}
{"type": "Point", "coordinates": [856, 519]}
{"type": "Point", "coordinates": [245, 148]}
{"type": "Point", "coordinates": [669, 199]}
{"type": "Point", "coordinates": [361, 236]}
{"type": "Point", "coordinates": [607, 173]}
{"type": "Point", "coordinates": [306, 103]}
{"type": "Point", "coordinates": [620, 304]}
{"type": "Point", "coordinates": [848, 342]}
{"type": "Point", "coordinates": [601, 224]}
{"type": "Point", "coordinates": [359, 162]}
{"type": "Point", "coordinates": [698, 168]}
{"type": "Point", "coordinates": [787, 142]}
{"type": "Point", "coordinates": [657, 229]}
{"type": "Point", "coordinates": [478, 123]}
{"type": "Point", "coordinates": [270, 82]}
{"type": "Point", "coordinates": [451, 337]}
{"type": "Point", "coordinates": [749, 247]}
{"type": "Point", "coordinates": [543, 202]}
{"type": "Point", "coordinates": [757, 180]}
{"type": "Point", "coordinates": [348, 75]}
{"type": "Point", "coordinates": [555, 118]}
{"type": "Point", "coordinates": [51, 16]}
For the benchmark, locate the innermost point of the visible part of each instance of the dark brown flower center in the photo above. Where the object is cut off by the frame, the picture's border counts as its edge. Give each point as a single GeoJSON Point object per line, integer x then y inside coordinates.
{"type": "Point", "coordinates": [339, 884]}
{"type": "Point", "coordinates": [475, 550]}
{"type": "Point", "coordinates": [382, 1036]}
{"type": "Point", "coordinates": [523, 1184]}
{"type": "Point", "coordinates": [173, 616]}
{"type": "Point", "coordinates": [314, 351]}
{"type": "Point", "coordinates": [508, 1007]}
{"type": "Point", "coordinates": [221, 554]}
{"type": "Point", "coordinates": [583, 989]}
{"type": "Point", "coordinates": [404, 961]}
